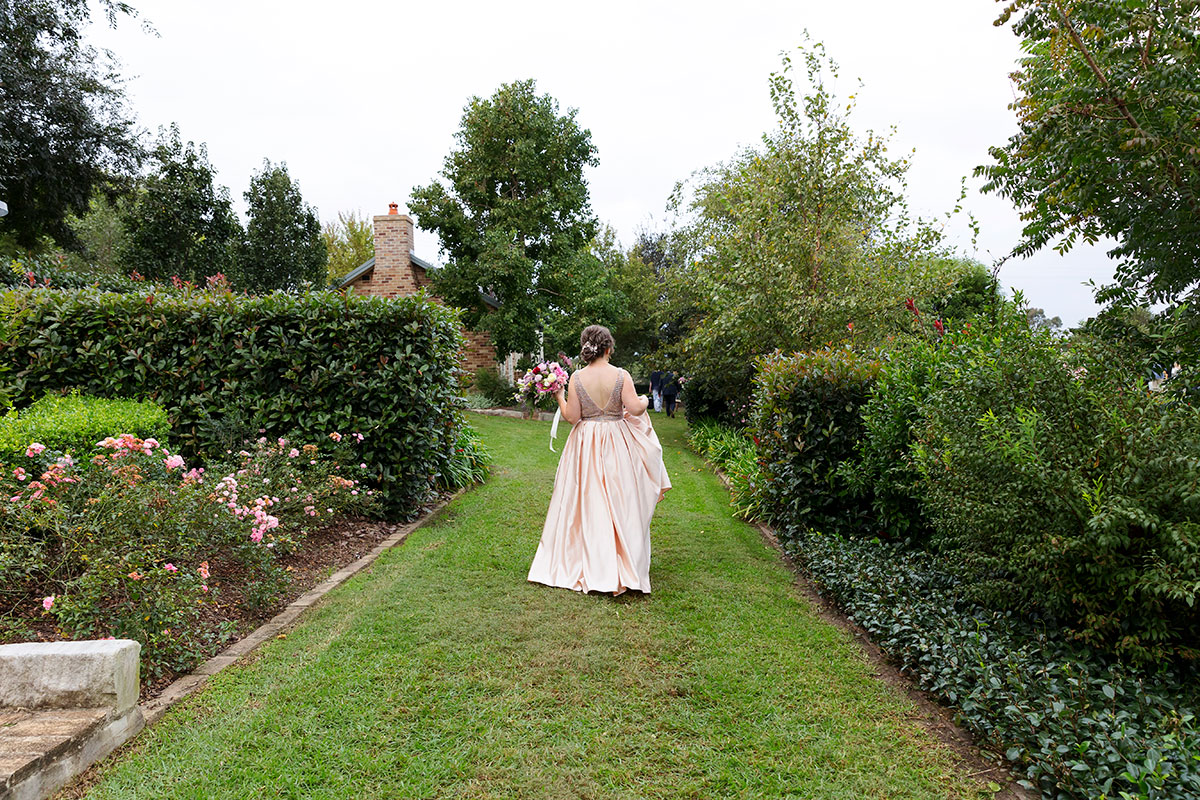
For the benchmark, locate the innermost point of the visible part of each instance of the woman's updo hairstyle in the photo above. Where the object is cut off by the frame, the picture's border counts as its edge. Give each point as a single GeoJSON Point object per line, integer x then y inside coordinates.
{"type": "Point", "coordinates": [594, 342]}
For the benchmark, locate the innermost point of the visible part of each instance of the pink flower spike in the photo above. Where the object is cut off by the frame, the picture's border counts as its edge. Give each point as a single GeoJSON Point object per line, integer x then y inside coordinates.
{"type": "Point", "coordinates": [48, 602]}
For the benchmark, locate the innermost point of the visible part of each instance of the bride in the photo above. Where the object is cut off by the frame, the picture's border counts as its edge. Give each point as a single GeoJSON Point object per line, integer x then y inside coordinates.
{"type": "Point", "coordinates": [610, 477]}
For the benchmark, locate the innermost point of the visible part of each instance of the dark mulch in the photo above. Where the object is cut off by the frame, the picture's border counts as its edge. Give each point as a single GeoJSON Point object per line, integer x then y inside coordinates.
{"type": "Point", "coordinates": [323, 552]}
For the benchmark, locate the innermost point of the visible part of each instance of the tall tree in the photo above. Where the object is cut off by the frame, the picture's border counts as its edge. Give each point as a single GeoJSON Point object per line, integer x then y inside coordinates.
{"type": "Point", "coordinates": [283, 247]}
{"type": "Point", "coordinates": [64, 128]}
{"type": "Point", "coordinates": [182, 224]}
{"type": "Point", "coordinates": [1108, 143]}
{"type": "Point", "coordinates": [797, 242]}
{"type": "Point", "coordinates": [513, 215]}
{"type": "Point", "coordinates": [100, 234]}
{"type": "Point", "coordinates": [350, 243]}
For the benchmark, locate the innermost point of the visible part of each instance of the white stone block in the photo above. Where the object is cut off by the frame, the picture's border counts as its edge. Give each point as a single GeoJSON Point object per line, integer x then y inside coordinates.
{"type": "Point", "coordinates": [88, 674]}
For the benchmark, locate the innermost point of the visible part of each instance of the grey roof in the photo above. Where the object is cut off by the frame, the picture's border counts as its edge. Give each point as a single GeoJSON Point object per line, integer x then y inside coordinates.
{"type": "Point", "coordinates": [357, 272]}
{"type": "Point", "coordinates": [369, 265]}
{"type": "Point", "coordinates": [422, 263]}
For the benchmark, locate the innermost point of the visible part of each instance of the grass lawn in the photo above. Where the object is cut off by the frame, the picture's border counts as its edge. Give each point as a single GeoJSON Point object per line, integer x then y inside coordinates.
{"type": "Point", "coordinates": [440, 672]}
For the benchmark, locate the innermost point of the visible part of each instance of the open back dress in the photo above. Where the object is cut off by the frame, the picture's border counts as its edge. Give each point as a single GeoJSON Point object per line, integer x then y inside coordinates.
{"type": "Point", "coordinates": [610, 478]}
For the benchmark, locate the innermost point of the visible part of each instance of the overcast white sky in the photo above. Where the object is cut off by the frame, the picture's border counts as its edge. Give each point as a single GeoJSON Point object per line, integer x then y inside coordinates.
{"type": "Point", "coordinates": [361, 98]}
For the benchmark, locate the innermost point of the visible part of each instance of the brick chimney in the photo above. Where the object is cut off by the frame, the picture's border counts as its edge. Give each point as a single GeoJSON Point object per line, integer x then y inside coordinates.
{"type": "Point", "coordinates": [393, 274]}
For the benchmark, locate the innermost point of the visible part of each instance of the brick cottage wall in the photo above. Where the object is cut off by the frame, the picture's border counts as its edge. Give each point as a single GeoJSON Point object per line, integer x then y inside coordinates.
{"type": "Point", "coordinates": [395, 275]}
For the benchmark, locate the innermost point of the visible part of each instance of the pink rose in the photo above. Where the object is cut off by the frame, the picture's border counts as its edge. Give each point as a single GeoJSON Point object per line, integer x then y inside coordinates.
{"type": "Point", "coordinates": [34, 449]}
{"type": "Point", "coordinates": [173, 462]}
{"type": "Point", "coordinates": [170, 567]}
{"type": "Point", "coordinates": [337, 437]}
{"type": "Point", "coordinates": [48, 602]}
{"type": "Point", "coordinates": [293, 453]}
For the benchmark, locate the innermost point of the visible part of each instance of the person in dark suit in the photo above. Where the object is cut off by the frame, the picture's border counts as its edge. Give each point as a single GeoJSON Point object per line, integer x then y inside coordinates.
{"type": "Point", "coordinates": [656, 389]}
{"type": "Point", "coordinates": [670, 392]}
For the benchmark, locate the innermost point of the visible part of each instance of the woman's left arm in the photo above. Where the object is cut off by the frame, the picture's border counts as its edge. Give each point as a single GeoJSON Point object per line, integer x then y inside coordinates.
{"type": "Point", "coordinates": [635, 404]}
{"type": "Point", "coordinates": [569, 405]}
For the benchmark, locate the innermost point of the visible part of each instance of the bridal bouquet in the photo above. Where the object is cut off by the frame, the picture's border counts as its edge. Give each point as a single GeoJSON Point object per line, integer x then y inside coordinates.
{"type": "Point", "coordinates": [547, 377]}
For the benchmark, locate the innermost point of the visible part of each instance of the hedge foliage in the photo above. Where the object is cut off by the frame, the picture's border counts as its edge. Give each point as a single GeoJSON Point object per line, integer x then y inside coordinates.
{"type": "Point", "coordinates": [1073, 722]}
{"type": "Point", "coordinates": [807, 420]}
{"type": "Point", "coordinates": [305, 366]}
{"type": "Point", "coordinates": [1057, 481]}
{"type": "Point", "coordinates": [76, 424]}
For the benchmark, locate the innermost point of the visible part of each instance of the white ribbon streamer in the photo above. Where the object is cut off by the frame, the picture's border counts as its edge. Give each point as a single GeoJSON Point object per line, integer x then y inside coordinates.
{"type": "Point", "coordinates": [554, 429]}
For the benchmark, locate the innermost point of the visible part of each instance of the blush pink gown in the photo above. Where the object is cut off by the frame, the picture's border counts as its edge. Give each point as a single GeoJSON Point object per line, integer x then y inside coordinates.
{"type": "Point", "coordinates": [610, 477]}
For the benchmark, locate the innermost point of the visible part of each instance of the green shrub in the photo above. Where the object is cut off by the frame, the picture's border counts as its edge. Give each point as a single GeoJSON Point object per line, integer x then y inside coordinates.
{"type": "Point", "coordinates": [1057, 481]}
{"type": "Point", "coordinates": [884, 470]}
{"type": "Point", "coordinates": [470, 462]}
{"type": "Point", "coordinates": [806, 421]}
{"type": "Point", "coordinates": [121, 544]}
{"type": "Point", "coordinates": [723, 397]}
{"type": "Point", "coordinates": [304, 365]}
{"type": "Point", "coordinates": [75, 424]}
{"type": "Point", "coordinates": [733, 452]}
{"type": "Point", "coordinates": [495, 387]}
{"type": "Point", "coordinates": [1073, 724]}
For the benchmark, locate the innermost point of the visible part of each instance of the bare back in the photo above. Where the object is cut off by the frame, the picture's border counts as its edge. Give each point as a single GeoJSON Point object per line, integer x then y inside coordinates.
{"type": "Point", "coordinates": [599, 381]}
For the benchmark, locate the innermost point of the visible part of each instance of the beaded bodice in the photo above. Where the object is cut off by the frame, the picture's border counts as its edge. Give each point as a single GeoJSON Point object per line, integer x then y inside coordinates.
{"type": "Point", "coordinates": [612, 410]}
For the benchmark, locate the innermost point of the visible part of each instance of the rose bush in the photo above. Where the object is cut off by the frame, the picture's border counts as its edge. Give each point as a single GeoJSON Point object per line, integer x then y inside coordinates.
{"type": "Point", "coordinates": [121, 544]}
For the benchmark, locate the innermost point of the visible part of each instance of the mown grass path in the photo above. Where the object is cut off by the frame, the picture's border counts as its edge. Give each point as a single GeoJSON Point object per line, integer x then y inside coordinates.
{"type": "Point", "coordinates": [441, 673]}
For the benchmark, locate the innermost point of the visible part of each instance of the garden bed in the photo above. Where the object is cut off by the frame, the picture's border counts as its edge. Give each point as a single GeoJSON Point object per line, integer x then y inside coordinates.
{"type": "Point", "coordinates": [326, 550]}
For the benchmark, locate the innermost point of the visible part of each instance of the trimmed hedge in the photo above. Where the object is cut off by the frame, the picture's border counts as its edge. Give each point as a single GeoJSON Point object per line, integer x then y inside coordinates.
{"type": "Point", "coordinates": [806, 421]}
{"type": "Point", "coordinates": [75, 424]}
{"type": "Point", "coordinates": [305, 366]}
{"type": "Point", "coordinates": [1071, 721]}
{"type": "Point", "coordinates": [1053, 480]}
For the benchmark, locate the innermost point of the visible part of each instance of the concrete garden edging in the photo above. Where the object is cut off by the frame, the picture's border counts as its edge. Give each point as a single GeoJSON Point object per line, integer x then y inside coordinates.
{"type": "Point", "coordinates": [63, 706]}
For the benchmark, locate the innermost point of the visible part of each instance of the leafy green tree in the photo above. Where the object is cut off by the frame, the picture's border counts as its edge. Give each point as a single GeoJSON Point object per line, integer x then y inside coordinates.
{"type": "Point", "coordinates": [100, 235]}
{"type": "Point", "coordinates": [283, 247]}
{"type": "Point", "coordinates": [513, 215]}
{"type": "Point", "coordinates": [350, 243]}
{"type": "Point", "coordinates": [181, 225]}
{"type": "Point", "coordinates": [1108, 143]}
{"type": "Point", "coordinates": [1038, 320]}
{"type": "Point", "coordinates": [801, 241]}
{"type": "Point", "coordinates": [639, 289]}
{"type": "Point", "coordinates": [64, 128]}
{"type": "Point", "coordinates": [974, 291]}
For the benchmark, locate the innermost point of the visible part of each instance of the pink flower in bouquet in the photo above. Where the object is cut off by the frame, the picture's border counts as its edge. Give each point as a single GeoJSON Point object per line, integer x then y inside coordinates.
{"type": "Point", "coordinates": [547, 377]}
